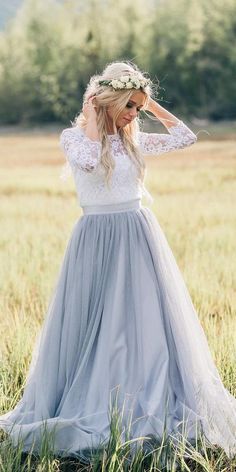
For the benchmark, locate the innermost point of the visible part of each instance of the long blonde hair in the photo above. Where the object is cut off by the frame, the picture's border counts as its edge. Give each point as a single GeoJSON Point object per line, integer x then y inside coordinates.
{"type": "Point", "coordinates": [118, 99]}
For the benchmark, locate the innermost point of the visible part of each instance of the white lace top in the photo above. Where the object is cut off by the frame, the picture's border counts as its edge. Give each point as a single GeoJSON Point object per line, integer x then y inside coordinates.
{"type": "Point", "coordinates": [84, 157]}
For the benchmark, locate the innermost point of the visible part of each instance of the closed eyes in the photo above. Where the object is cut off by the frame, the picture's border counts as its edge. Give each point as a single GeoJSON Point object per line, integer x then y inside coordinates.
{"type": "Point", "coordinates": [130, 105]}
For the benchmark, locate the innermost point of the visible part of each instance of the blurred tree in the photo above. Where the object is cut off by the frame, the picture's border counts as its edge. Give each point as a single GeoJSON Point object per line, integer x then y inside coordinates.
{"type": "Point", "coordinates": [50, 50]}
{"type": "Point", "coordinates": [196, 55]}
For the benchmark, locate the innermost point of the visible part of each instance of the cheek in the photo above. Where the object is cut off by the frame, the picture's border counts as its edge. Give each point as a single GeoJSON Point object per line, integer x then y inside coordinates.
{"type": "Point", "coordinates": [111, 114]}
{"type": "Point", "coordinates": [121, 115]}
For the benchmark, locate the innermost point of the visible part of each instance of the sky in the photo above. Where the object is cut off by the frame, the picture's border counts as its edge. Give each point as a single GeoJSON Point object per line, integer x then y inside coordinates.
{"type": "Point", "coordinates": [8, 10]}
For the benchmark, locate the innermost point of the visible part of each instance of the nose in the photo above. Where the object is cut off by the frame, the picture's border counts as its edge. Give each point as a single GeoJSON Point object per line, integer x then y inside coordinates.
{"type": "Point", "coordinates": [133, 113]}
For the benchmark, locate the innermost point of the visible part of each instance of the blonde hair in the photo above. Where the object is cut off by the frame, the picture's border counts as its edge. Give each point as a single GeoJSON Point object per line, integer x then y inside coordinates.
{"type": "Point", "coordinates": [118, 99]}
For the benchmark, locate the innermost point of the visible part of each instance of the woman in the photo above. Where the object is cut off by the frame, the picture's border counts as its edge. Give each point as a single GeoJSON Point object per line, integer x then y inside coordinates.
{"type": "Point", "coordinates": [121, 327]}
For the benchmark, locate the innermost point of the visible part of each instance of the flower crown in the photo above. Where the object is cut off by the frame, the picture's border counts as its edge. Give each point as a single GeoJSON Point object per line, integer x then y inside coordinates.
{"type": "Point", "coordinates": [125, 82]}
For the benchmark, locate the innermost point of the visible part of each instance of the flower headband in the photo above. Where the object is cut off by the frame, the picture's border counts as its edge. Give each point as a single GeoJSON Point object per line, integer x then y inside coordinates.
{"type": "Point", "coordinates": [125, 82]}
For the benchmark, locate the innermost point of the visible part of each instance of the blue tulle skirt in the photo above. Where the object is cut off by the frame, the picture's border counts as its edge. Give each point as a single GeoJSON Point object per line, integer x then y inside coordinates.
{"type": "Point", "coordinates": [120, 332]}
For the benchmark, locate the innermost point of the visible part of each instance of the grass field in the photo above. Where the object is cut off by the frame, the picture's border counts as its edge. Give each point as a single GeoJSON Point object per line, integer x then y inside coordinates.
{"type": "Point", "coordinates": [194, 201]}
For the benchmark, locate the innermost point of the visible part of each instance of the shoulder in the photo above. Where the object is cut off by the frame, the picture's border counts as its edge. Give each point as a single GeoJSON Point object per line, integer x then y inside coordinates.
{"type": "Point", "coordinates": [72, 131]}
{"type": "Point", "coordinates": [70, 135]}
{"type": "Point", "coordinates": [77, 135]}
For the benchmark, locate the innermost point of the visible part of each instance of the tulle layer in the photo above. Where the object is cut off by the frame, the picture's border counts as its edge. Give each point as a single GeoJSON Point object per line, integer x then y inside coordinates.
{"type": "Point", "coordinates": [121, 329]}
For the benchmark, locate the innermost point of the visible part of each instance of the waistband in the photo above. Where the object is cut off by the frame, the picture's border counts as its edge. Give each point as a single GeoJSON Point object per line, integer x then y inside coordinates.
{"type": "Point", "coordinates": [112, 208]}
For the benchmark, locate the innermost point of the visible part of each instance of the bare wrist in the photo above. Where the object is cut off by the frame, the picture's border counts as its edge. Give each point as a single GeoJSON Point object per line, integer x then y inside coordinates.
{"type": "Point", "coordinates": [92, 120]}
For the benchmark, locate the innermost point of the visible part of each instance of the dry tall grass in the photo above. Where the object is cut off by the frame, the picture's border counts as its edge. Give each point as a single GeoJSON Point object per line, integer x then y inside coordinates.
{"type": "Point", "coordinates": [194, 201]}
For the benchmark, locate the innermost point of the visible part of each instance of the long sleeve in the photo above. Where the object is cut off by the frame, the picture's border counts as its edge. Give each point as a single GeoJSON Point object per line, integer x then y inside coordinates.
{"type": "Point", "coordinates": [179, 136]}
{"type": "Point", "coordinates": [81, 152]}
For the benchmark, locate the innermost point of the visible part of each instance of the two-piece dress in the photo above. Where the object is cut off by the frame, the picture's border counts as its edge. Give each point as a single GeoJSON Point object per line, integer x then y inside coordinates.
{"type": "Point", "coordinates": [121, 329]}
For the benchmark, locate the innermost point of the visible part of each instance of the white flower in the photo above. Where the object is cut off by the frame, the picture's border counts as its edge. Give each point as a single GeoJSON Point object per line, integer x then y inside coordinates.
{"type": "Point", "coordinates": [129, 85]}
{"type": "Point", "coordinates": [127, 82]}
{"type": "Point", "coordinates": [124, 78]}
{"type": "Point", "coordinates": [120, 85]}
{"type": "Point", "coordinates": [117, 84]}
{"type": "Point", "coordinates": [136, 83]}
{"type": "Point", "coordinates": [114, 83]}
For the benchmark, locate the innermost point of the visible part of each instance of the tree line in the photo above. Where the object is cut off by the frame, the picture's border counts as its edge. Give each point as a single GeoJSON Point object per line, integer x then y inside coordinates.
{"type": "Point", "coordinates": [50, 49]}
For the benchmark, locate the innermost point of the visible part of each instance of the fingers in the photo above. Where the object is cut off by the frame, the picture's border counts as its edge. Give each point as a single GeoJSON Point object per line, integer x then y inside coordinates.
{"type": "Point", "coordinates": [89, 109]}
{"type": "Point", "coordinates": [90, 101]}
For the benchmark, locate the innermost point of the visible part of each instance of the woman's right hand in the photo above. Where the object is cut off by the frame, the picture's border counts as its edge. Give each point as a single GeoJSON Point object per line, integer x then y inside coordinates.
{"type": "Point", "coordinates": [89, 109]}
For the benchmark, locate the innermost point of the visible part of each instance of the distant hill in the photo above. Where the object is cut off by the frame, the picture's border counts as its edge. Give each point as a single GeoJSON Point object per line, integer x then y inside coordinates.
{"type": "Point", "coordinates": [8, 10]}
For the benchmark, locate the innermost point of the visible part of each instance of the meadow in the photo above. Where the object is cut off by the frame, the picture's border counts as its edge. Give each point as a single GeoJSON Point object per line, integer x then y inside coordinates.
{"type": "Point", "coordinates": [194, 201]}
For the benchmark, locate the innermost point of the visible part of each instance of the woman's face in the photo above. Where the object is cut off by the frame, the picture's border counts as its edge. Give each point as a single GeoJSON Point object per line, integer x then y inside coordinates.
{"type": "Point", "coordinates": [131, 111]}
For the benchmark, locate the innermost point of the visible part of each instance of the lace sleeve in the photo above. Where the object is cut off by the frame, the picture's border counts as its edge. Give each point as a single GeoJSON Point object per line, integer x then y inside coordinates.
{"type": "Point", "coordinates": [179, 136]}
{"type": "Point", "coordinates": [80, 151]}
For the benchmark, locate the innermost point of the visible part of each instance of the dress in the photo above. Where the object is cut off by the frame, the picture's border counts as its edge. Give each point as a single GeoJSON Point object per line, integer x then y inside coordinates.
{"type": "Point", "coordinates": [121, 328]}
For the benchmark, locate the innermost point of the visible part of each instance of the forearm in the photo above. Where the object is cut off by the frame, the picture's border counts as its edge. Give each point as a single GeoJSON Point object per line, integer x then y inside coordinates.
{"type": "Point", "coordinates": [91, 129]}
{"type": "Point", "coordinates": [165, 117]}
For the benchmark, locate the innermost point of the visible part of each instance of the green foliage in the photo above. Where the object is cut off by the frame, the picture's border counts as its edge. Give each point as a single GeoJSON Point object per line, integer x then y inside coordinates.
{"type": "Point", "coordinates": [50, 50]}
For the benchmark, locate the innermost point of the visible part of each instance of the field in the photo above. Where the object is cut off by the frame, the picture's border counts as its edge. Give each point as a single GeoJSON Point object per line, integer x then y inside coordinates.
{"type": "Point", "coordinates": [194, 201]}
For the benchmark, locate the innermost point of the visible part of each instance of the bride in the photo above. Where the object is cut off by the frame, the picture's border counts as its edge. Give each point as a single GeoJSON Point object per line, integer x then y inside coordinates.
{"type": "Point", "coordinates": [121, 325]}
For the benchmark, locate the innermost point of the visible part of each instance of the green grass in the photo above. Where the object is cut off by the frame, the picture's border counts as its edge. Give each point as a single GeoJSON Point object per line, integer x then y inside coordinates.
{"type": "Point", "coordinates": [194, 201]}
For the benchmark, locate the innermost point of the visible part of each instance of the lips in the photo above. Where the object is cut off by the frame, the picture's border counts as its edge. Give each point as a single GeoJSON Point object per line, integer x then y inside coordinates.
{"type": "Point", "coordinates": [128, 121]}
